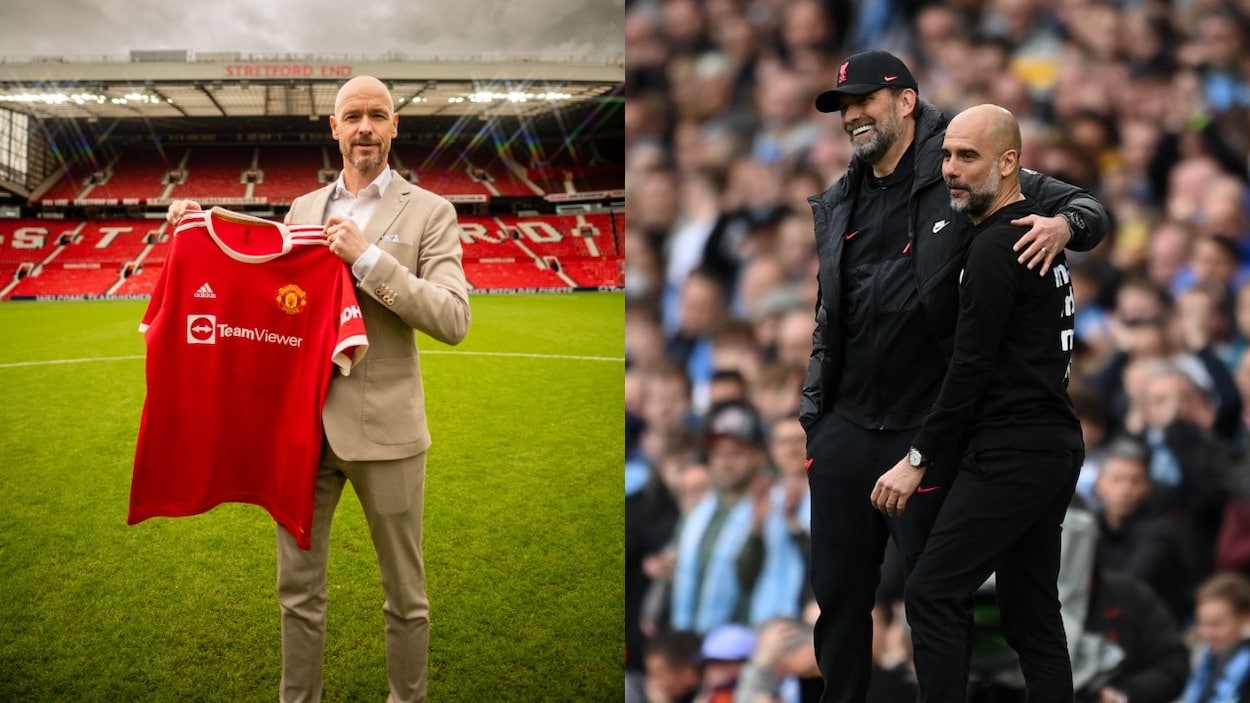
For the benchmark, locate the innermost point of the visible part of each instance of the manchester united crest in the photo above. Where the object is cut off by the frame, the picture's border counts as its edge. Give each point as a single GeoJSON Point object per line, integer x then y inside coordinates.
{"type": "Point", "coordinates": [291, 299]}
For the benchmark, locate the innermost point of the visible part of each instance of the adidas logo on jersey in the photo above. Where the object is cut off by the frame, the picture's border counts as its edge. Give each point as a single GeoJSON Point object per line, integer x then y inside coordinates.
{"type": "Point", "coordinates": [205, 291]}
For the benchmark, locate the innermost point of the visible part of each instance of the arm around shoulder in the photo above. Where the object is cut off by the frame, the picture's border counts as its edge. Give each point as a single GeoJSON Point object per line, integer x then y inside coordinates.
{"type": "Point", "coordinates": [1087, 218]}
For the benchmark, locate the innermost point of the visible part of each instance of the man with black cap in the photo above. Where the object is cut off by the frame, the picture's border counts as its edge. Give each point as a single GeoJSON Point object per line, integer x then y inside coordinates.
{"type": "Point", "coordinates": [890, 250]}
{"type": "Point", "coordinates": [706, 588]}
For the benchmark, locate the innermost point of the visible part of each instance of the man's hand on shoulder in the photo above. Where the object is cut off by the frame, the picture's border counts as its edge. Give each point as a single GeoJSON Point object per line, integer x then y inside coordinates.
{"type": "Point", "coordinates": [178, 208]}
{"type": "Point", "coordinates": [1046, 237]}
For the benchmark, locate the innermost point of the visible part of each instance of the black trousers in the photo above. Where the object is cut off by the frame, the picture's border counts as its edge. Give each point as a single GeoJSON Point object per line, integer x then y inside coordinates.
{"type": "Point", "coordinates": [849, 539]}
{"type": "Point", "coordinates": [1003, 515]}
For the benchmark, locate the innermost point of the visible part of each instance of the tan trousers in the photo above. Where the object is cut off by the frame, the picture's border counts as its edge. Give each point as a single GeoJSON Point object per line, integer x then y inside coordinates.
{"type": "Point", "coordinates": [392, 494]}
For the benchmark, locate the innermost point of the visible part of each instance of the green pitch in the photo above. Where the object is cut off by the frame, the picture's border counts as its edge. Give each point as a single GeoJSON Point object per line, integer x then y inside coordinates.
{"type": "Point", "coordinates": [523, 524]}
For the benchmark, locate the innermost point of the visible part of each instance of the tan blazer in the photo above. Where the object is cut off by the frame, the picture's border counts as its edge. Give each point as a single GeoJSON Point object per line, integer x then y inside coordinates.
{"type": "Point", "coordinates": [378, 412]}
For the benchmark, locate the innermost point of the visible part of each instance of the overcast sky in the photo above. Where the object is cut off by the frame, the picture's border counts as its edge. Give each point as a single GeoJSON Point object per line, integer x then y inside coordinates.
{"type": "Point", "coordinates": [590, 28]}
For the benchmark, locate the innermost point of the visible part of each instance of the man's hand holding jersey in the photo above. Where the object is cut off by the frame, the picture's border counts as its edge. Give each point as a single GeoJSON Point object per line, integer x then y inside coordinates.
{"type": "Point", "coordinates": [345, 238]}
{"type": "Point", "coordinates": [178, 208]}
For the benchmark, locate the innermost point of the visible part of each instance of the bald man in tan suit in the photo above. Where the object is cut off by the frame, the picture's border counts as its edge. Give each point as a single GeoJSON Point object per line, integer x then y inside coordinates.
{"type": "Point", "coordinates": [403, 246]}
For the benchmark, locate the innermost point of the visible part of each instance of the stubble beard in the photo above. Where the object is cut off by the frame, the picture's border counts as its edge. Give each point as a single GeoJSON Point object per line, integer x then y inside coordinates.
{"type": "Point", "coordinates": [366, 164]}
{"type": "Point", "coordinates": [979, 199]}
{"type": "Point", "coordinates": [885, 134]}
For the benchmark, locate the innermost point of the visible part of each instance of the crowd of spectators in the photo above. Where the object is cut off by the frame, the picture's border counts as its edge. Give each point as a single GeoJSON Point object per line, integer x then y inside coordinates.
{"type": "Point", "coordinates": [1145, 103]}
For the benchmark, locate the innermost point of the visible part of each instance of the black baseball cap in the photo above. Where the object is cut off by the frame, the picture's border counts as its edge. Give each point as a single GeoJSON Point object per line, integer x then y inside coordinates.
{"type": "Point", "coordinates": [864, 73]}
{"type": "Point", "coordinates": [735, 419]}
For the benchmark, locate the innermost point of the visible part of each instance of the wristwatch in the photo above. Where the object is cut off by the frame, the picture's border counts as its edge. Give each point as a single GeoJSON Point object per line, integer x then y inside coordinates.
{"type": "Point", "coordinates": [1076, 223]}
{"type": "Point", "coordinates": [916, 459]}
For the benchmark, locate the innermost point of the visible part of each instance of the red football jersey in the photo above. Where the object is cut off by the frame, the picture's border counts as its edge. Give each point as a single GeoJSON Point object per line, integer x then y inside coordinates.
{"type": "Point", "coordinates": [244, 330]}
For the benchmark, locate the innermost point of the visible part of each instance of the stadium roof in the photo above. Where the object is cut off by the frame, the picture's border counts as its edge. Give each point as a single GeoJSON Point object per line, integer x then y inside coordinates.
{"type": "Point", "coordinates": [171, 84]}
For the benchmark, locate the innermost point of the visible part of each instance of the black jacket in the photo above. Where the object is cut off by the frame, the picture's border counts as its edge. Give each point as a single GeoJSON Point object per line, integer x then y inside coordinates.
{"type": "Point", "coordinates": [1148, 547]}
{"type": "Point", "coordinates": [1156, 661]}
{"type": "Point", "coordinates": [938, 237]}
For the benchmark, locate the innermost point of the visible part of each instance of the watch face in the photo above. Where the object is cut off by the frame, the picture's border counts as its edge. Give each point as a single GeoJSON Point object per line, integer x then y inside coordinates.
{"type": "Point", "coordinates": [914, 456]}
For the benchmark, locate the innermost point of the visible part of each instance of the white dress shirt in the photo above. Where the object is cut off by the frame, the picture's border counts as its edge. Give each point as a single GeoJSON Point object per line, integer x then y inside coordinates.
{"type": "Point", "coordinates": [360, 208]}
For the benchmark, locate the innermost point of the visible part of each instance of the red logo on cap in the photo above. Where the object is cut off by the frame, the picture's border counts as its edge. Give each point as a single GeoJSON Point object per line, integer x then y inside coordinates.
{"type": "Point", "coordinates": [889, 78]}
{"type": "Point", "coordinates": [842, 72]}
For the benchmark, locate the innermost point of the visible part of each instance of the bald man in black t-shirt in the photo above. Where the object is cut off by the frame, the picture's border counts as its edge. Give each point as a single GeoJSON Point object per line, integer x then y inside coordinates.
{"type": "Point", "coordinates": [1004, 404]}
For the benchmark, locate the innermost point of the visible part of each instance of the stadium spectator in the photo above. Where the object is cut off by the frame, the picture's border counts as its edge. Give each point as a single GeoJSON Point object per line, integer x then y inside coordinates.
{"type": "Point", "coordinates": [1091, 411]}
{"type": "Point", "coordinates": [672, 669]}
{"type": "Point", "coordinates": [1239, 340]}
{"type": "Point", "coordinates": [727, 385]}
{"type": "Point", "coordinates": [651, 514]}
{"type": "Point", "coordinates": [1128, 615]}
{"type": "Point", "coordinates": [783, 668]}
{"type": "Point", "coordinates": [726, 650]}
{"type": "Point", "coordinates": [644, 339]}
{"type": "Point", "coordinates": [686, 478]}
{"type": "Point", "coordinates": [381, 453]}
{"type": "Point", "coordinates": [665, 409]}
{"type": "Point", "coordinates": [1222, 669]}
{"type": "Point", "coordinates": [734, 349]}
{"type": "Point", "coordinates": [703, 307]}
{"type": "Point", "coordinates": [1232, 548]}
{"type": "Point", "coordinates": [783, 653]}
{"type": "Point", "coordinates": [759, 277]}
{"type": "Point", "coordinates": [776, 392]}
{"type": "Point", "coordinates": [1135, 538]}
{"type": "Point", "coordinates": [1170, 249]}
{"type": "Point", "coordinates": [1092, 324]}
{"type": "Point", "coordinates": [794, 339]}
{"type": "Point", "coordinates": [796, 249]}
{"type": "Point", "coordinates": [1213, 264]}
{"type": "Point", "coordinates": [1146, 327]}
{"type": "Point", "coordinates": [777, 550]}
{"type": "Point", "coordinates": [707, 591]}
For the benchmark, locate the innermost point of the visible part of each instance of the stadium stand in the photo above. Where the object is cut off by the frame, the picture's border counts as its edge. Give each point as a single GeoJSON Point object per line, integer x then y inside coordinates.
{"type": "Point", "coordinates": [67, 187]}
{"type": "Point", "coordinates": [289, 171]}
{"type": "Point", "coordinates": [216, 172]}
{"type": "Point", "coordinates": [89, 256]}
{"type": "Point", "coordinates": [63, 258]}
{"type": "Point", "coordinates": [139, 172]}
{"type": "Point", "coordinates": [541, 250]}
{"type": "Point", "coordinates": [444, 172]}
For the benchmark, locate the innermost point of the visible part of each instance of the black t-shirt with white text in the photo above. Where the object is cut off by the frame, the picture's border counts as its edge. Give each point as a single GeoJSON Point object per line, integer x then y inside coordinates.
{"type": "Point", "coordinates": [1008, 378]}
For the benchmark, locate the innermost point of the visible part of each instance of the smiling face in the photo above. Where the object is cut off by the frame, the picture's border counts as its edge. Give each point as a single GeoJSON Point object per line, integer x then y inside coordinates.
{"type": "Point", "coordinates": [364, 123]}
{"type": "Point", "coordinates": [875, 121]}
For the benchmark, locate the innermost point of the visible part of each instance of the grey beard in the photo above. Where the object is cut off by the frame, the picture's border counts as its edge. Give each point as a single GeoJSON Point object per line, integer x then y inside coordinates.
{"type": "Point", "coordinates": [875, 148]}
{"type": "Point", "coordinates": [367, 165]}
{"type": "Point", "coordinates": [979, 200]}
{"type": "Point", "coordinates": [975, 205]}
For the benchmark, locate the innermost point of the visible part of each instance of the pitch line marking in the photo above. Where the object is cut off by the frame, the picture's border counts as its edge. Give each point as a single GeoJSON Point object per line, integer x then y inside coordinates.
{"type": "Point", "coordinates": [527, 355]}
{"type": "Point", "coordinates": [521, 355]}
